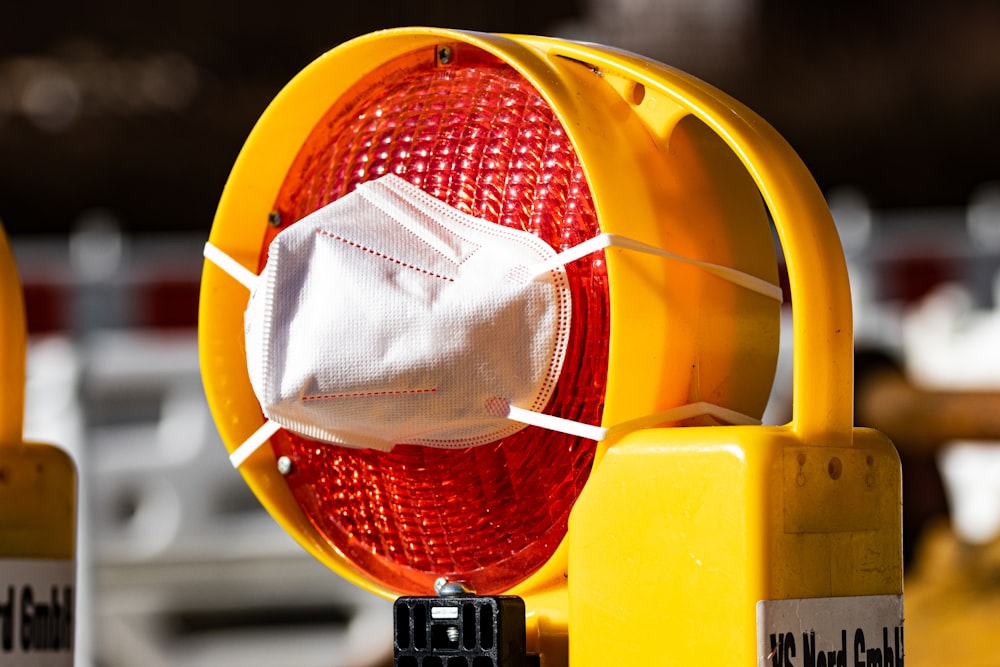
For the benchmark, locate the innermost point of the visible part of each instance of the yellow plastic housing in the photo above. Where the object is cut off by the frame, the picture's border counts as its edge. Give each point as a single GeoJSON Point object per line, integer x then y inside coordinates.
{"type": "Point", "coordinates": [680, 531]}
{"type": "Point", "coordinates": [37, 481]}
{"type": "Point", "coordinates": [679, 534]}
{"type": "Point", "coordinates": [674, 337]}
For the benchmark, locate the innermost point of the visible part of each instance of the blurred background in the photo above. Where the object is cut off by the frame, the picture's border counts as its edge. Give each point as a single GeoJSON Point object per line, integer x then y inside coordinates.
{"type": "Point", "coordinates": [119, 123]}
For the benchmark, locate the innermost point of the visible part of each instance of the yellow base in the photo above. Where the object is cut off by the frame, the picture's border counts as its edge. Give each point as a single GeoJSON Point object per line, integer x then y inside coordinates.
{"type": "Point", "coordinates": [37, 502]}
{"type": "Point", "coordinates": [679, 533]}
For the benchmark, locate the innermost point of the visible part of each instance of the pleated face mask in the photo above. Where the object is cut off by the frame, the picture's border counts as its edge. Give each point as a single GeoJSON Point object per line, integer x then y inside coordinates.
{"type": "Point", "coordinates": [389, 317]}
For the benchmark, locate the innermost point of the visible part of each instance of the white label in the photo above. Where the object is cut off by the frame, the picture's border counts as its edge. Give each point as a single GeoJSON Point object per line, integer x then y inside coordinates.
{"type": "Point", "coordinates": [444, 612]}
{"type": "Point", "coordinates": [37, 612]}
{"type": "Point", "coordinates": [865, 631]}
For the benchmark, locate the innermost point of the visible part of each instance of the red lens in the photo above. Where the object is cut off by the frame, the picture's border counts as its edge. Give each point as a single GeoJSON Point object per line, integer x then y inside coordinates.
{"type": "Point", "coordinates": [476, 135]}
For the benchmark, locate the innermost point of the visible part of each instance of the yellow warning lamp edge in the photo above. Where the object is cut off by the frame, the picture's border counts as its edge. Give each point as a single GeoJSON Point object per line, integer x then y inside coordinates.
{"type": "Point", "coordinates": [37, 481]}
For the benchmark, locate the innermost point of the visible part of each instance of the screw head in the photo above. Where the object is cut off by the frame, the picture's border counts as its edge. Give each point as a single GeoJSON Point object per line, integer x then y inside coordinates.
{"type": "Point", "coordinates": [284, 465]}
{"type": "Point", "coordinates": [450, 589]}
{"type": "Point", "coordinates": [444, 55]}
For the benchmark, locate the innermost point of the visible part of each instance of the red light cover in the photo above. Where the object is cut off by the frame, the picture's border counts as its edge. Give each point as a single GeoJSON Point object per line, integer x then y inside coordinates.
{"type": "Point", "coordinates": [476, 135]}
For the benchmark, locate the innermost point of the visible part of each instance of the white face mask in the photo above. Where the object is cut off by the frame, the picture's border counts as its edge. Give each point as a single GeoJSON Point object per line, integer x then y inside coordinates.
{"type": "Point", "coordinates": [389, 317]}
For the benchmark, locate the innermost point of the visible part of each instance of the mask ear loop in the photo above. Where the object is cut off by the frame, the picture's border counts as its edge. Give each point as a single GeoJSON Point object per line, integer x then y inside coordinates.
{"type": "Point", "coordinates": [237, 271]}
{"type": "Point", "coordinates": [598, 433]}
{"type": "Point", "coordinates": [253, 443]}
{"type": "Point", "coordinates": [602, 241]}
{"type": "Point", "coordinates": [679, 413]}
{"type": "Point", "coordinates": [248, 279]}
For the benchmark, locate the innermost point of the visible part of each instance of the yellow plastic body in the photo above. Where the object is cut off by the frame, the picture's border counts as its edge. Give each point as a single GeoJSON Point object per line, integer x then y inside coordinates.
{"type": "Point", "coordinates": [679, 534]}
{"type": "Point", "coordinates": [694, 525]}
{"type": "Point", "coordinates": [37, 481]}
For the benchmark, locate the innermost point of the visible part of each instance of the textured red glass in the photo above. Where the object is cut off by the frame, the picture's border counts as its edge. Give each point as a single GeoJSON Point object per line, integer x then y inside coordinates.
{"type": "Point", "coordinates": [479, 137]}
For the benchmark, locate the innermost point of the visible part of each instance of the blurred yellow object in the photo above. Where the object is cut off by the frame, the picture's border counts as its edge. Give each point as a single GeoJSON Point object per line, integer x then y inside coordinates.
{"type": "Point", "coordinates": [953, 601]}
{"type": "Point", "coordinates": [37, 507]}
{"type": "Point", "coordinates": [680, 533]}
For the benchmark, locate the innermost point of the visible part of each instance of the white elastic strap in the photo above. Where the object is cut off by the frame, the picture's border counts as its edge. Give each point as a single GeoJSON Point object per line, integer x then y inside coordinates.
{"type": "Point", "coordinates": [240, 273]}
{"type": "Point", "coordinates": [590, 432]}
{"type": "Point", "coordinates": [559, 424]}
{"type": "Point", "coordinates": [682, 412]}
{"type": "Point", "coordinates": [253, 443]}
{"type": "Point", "coordinates": [602, 241]}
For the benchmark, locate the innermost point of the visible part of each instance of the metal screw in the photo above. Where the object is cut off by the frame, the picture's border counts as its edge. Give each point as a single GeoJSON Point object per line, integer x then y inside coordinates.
{"type": "Point", "coordinates": [452, 633]}
{"type": "Point", "coordinates": [450, 589]}
{"type": "Point", "coordinates": [284, 465]}
{"type": "Point", "coordinates": [444, 54]}
{"type": "Point", "coordinates": [274, 218]}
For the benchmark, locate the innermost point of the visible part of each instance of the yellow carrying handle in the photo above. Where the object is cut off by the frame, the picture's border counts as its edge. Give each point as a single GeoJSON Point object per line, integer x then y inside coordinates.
{"type": "Point", "coordinates": [13, 338]}
{"type": "Point", "coordinates": [823, 333]}
{"type": "Point", "coordinates": [822, 323]}
{"type": "Point", "coordinates": [823, 373]}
